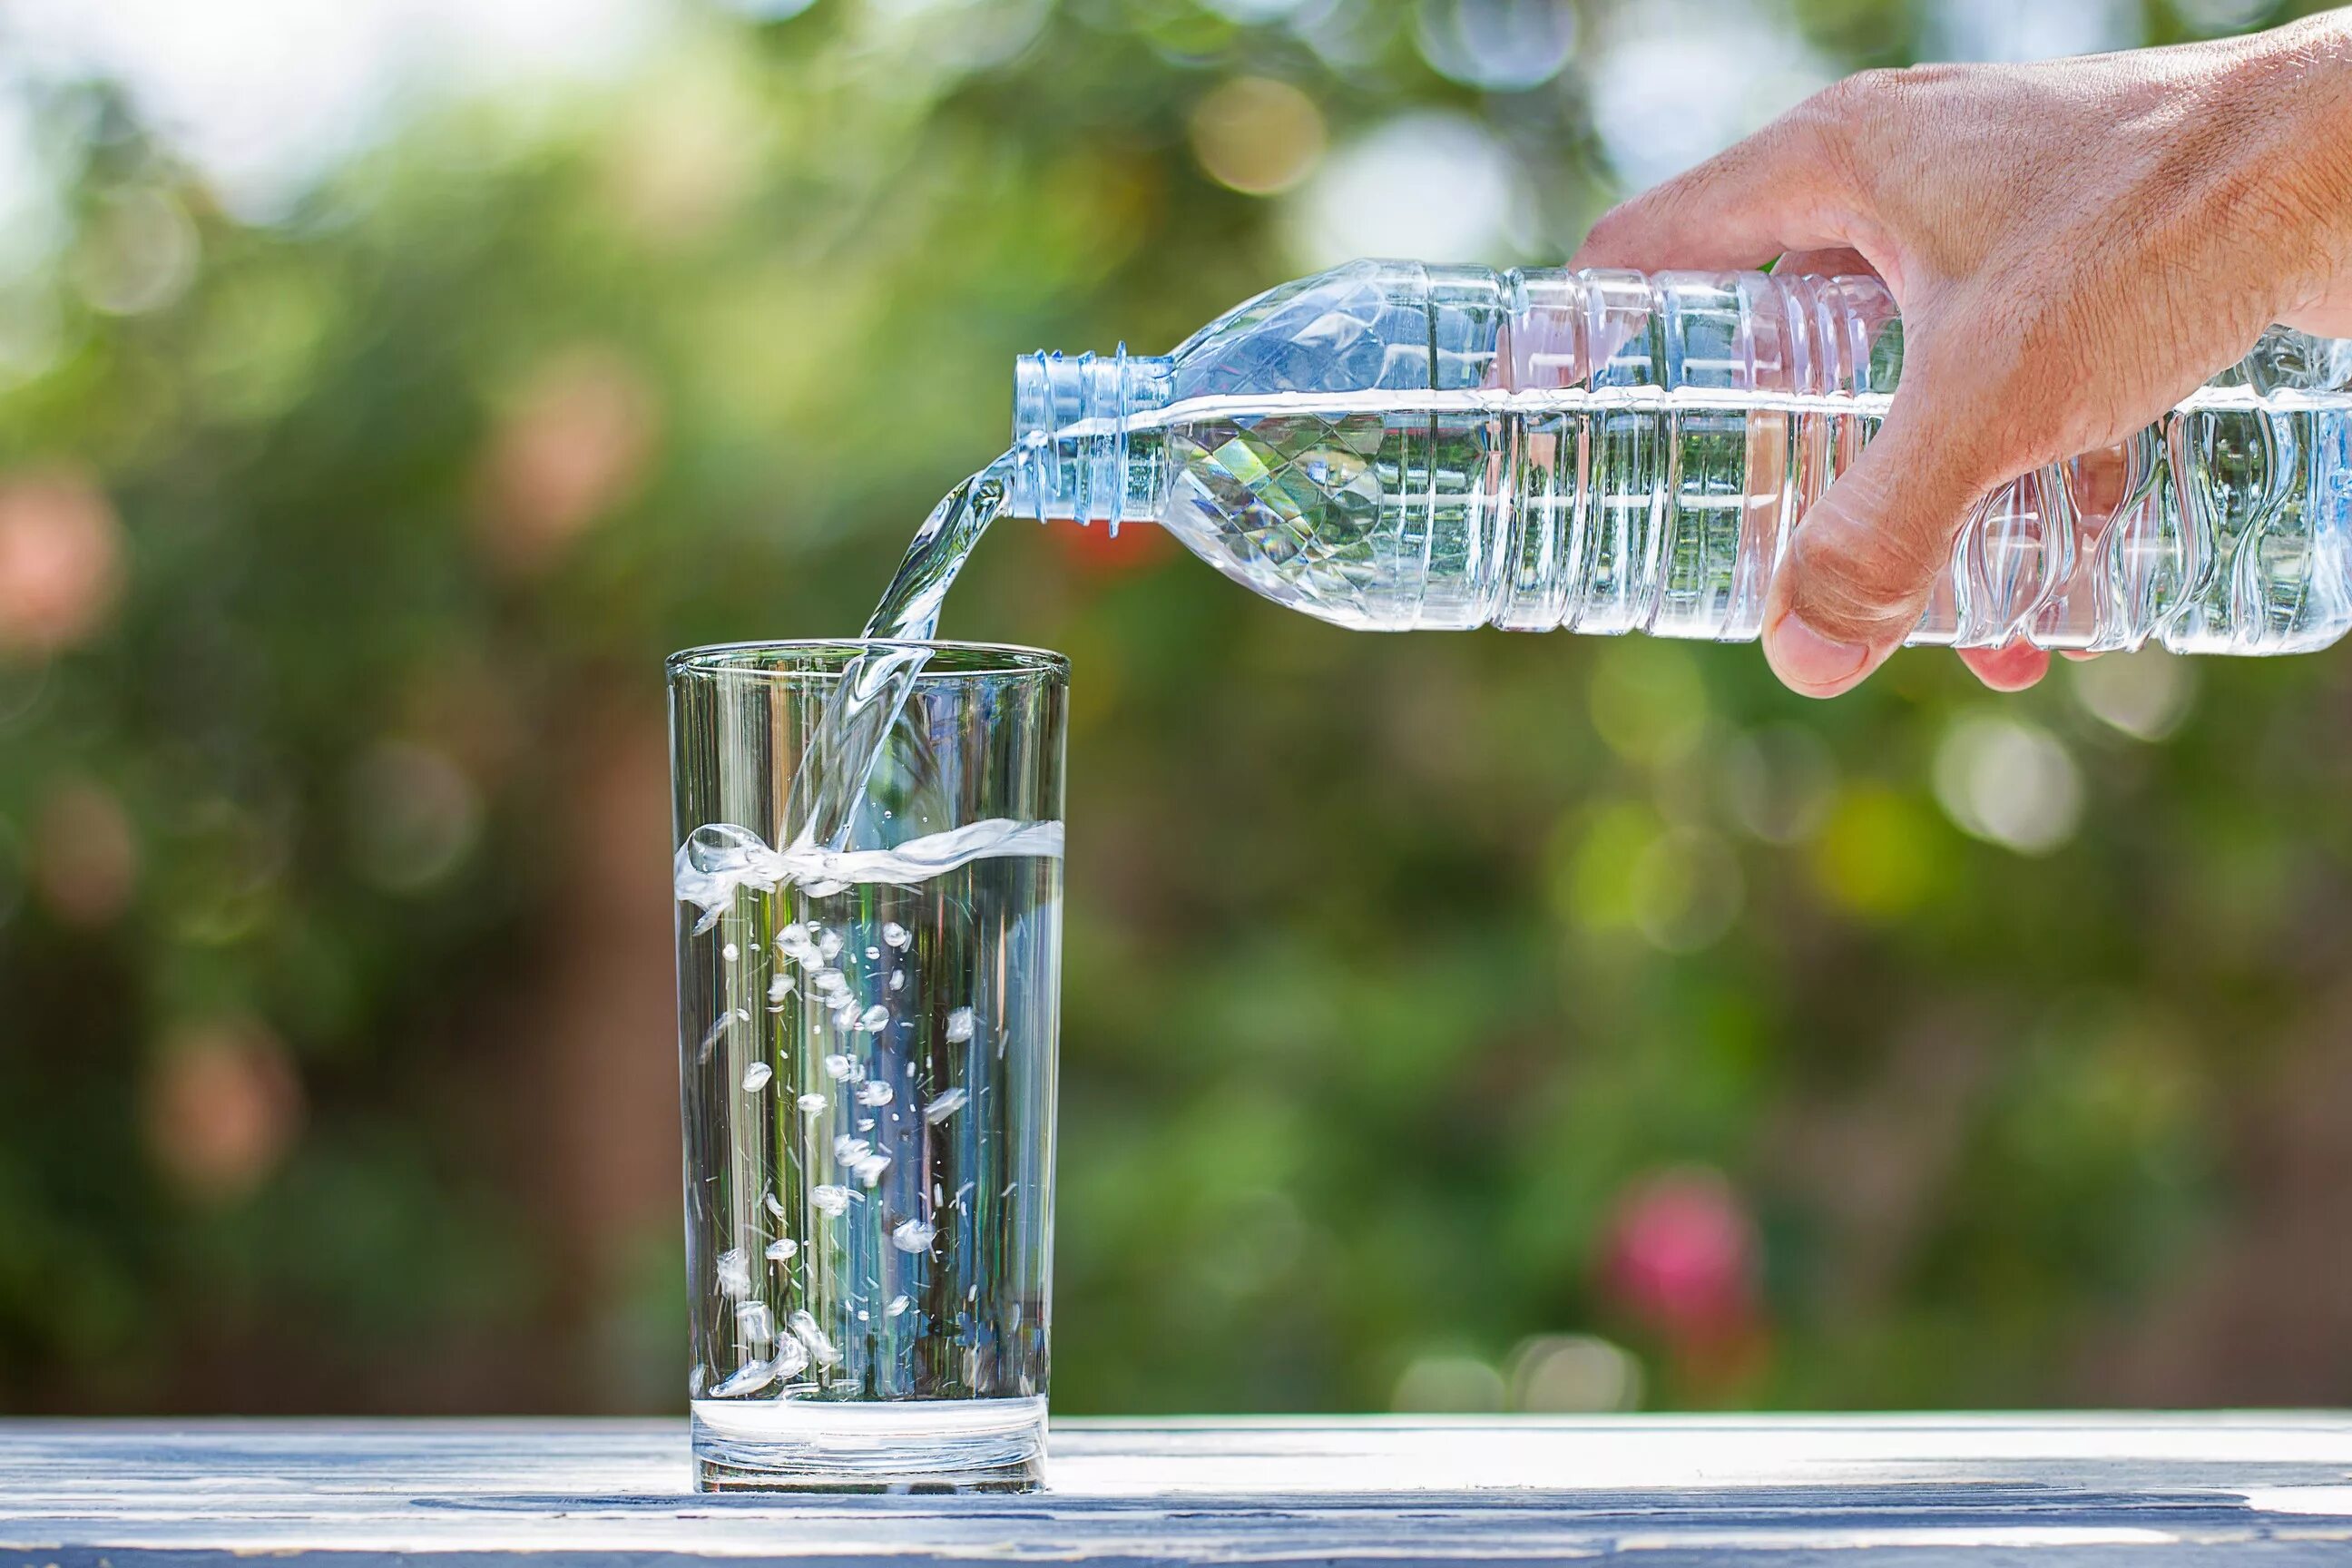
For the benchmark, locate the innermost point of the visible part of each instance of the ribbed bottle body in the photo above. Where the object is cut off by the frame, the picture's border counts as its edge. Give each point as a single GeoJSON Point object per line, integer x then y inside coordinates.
{"type": "Point", "coordinates": [1390, 447]}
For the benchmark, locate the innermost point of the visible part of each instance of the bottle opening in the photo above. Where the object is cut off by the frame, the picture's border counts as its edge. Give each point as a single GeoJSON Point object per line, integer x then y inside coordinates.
{"type": "Point", "coordinates": [1074, 457]}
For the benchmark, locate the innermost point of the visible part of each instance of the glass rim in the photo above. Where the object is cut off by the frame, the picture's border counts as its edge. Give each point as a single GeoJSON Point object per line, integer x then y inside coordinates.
{"type": "Point", "coordinates": [823, 659]}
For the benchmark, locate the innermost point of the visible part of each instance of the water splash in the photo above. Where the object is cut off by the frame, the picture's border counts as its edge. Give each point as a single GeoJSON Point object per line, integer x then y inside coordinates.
{"type": "Point", "coordinates": [829, 783]}
{"type": "Point", "coordinates": [721, 857]}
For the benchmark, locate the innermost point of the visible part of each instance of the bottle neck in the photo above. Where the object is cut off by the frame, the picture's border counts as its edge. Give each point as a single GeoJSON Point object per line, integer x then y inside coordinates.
{"type": "Point", "coordinates": [1075, 454]}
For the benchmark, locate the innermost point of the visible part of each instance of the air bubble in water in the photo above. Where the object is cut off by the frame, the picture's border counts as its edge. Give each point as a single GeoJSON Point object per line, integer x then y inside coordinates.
{"type": "Point", "coordinates": [875, 1019]}
{"type": "Point", "coordinates": [873, 952]}
{"type": "Point", "coordinates": [790, 1357]}
{"type": "Point", "coordinates": [831, 1200]}
{"type": "Point", "coordinates": [842, 1068]}
{"type": "Point", "coordinates": [849, 1151]}
{"type": "Point", "coordinates": [756, 1077]}
{"type": "Point", "coordinates": [912, 1236]}
{"type": "Point", "coordinates": [781, 1249]}
{"type": "Point", "coordinates": [829, 982]}
{"type": "Point", "coordinates": [773, 1204]}
{"type": "Point", "coordinates": [875, 1092]}
{"type": "Point", "coordinates": [811, 1103]}
{"type": "Point", "coordinates": [734, 1272]}
{"type": "Point", "coordinates": [828, 943]}
{"type": "Point", "coordinates": [804, 1330]}
{"type": "Point", "coordinates": [898, 1305]}
{"type": "Point", "coordinates": [943, 1106]}
{"type": "Point", "coordinates": [896, 935]}
{"type": "Point", "coordinates": [869, 1169]}
{"type": "Point", "coordinates": [730, 952]}
{"type": "Point", "coordinates": [779, 987]}
{"type": "Point", "coordinates": [960, 1025]}
{"type": "Point", "coordinates": [749, 1378]}
{"type": "Point", "coordinates": [897, 980]}
{"type": "Point", "coordinates": [755, 1323]}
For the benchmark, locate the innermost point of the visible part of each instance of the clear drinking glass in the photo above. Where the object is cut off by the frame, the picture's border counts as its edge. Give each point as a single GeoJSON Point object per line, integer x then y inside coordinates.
{"type": "Point", "coordinates": [867, 1029]}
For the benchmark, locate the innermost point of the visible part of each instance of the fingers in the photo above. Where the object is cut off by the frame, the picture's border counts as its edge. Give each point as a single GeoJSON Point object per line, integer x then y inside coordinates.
{"type": "Point", "coordinates": [1783, 189]}
{"type": "Point", "coordinates": [2012, 667]}
{"type": "Point", "coordinates": [1863, 560]}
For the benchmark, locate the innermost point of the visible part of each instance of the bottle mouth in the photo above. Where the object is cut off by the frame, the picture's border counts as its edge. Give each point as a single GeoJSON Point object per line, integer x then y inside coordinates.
{"type": "Point", "coordinates": [1071, 426]}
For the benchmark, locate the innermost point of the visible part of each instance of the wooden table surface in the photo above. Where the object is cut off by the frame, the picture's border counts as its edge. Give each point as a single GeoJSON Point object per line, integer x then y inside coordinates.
{"type": "Point", "coordinates": [1655, 1492]}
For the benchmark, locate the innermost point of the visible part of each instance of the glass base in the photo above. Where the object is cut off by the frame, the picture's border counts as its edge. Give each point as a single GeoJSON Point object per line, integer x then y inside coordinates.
{"type": "Point", "coordinates": [876, 1445]}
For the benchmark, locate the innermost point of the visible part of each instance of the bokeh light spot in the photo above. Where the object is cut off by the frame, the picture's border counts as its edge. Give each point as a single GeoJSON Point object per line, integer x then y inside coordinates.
{"type": "Point", "coordinates": [138, 253]}
{"type": "Point", "coordinates": [414, 816]}
{"type": "Point", "coordinates": [1574, 1374]}
{"type": "Point", "coordinates": [574, 446]}
{"type": "Point", "coordinates": [2010, 30]}
{"type": "Point", "coordinates": [223, 1107]}
{"type": "Point", "coordinates": [85, 855]}
{"type": "Point", "coordinates": [1680, 1253]}
{"type": "Point", "coordinates": [1502, 46]}
{"type": "Point", "coordinates": [1599, 881]}
{"type": "Point", "coordinates": [1675, 84]}
{"type": "Point", "coordinates": [1875, 854]}
{"type": "Point", "coordinates": [1428, 185]}
{"type": "Point", "coordinates": [60, 561]}
{"type": "Point", "coordinates": [690, 155]}
{"type": "Point", "coordinates": [1249, 12]}
{"type": "Point", "coordinates": [1446, 1382]}
{"type": "Point", "coordinates": [2146, 694]}
{"type": "Point", "coordinates": [2008, 783]}
{"type": "Point", "coordinates": [1257, 135]}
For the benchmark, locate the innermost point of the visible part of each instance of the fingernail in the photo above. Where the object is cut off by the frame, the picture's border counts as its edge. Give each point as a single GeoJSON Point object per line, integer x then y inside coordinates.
{"type": "Point", "coordinates": [1810, 662]}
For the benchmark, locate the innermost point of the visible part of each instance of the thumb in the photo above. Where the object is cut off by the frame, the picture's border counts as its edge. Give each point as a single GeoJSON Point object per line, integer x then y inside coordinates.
{"type": "Point", "coordinates": [1862, 561]}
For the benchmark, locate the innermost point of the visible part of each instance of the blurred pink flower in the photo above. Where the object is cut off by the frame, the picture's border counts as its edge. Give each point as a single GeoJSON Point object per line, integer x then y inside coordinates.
{"type": "Point", "coordinates": [224, 1105]}
{"type": "Point", "coordinates": [1679, 1255]}
{"type": "Point", "coordinates": [60, 561]}
{"type": "Point", "coordinates": [574, 446]}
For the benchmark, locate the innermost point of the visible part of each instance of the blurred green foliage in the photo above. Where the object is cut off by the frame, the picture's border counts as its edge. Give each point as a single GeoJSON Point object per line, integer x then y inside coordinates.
{"type": "Point", "coordinates": [1426, 996]}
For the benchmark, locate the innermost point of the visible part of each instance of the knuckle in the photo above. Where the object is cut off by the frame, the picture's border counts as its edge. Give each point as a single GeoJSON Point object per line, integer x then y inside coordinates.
{"type": "Point", "coordinates": [1863, 89]}
{"type": "Point", "coordinates": [1611, 228]}
{"type": "Point", "coordinates": [1853, 104]}
{"type": "Point", "coordinates": [1840, 121]}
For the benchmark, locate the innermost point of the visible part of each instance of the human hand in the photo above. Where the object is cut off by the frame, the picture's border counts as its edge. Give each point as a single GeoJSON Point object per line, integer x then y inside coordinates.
{"type": "Point", "coordinates": [2075, 246]}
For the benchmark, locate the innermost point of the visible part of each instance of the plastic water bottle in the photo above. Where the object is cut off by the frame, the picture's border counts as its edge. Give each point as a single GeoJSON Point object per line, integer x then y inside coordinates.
{"type": "Point", "coordinates": [1390, 446]}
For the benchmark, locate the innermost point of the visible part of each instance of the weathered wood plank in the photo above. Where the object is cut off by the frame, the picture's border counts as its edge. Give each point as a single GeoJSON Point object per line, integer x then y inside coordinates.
{"type": "Point", "coordinates": [1660, 1491]}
